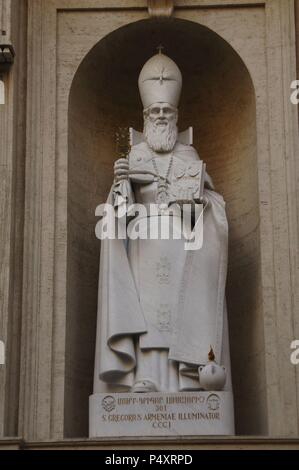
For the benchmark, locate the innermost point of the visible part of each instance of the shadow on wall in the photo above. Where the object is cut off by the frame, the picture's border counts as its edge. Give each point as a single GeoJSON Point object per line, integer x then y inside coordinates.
{"type": "Point", "coordinates": [218, 100]}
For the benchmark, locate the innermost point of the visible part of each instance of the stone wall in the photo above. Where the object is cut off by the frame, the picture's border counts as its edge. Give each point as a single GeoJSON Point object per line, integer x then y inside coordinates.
{"type": "Point", "coordinates": [12, 188]}
{"type": "Point", "coordinates": [239, 59]}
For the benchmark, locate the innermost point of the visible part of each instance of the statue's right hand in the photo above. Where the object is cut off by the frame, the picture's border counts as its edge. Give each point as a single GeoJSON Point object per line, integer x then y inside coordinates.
{"type": "Point", "coordinates": [121, 169]}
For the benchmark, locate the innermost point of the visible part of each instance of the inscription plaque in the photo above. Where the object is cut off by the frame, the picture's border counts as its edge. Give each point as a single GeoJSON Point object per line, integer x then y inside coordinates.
{"type": "Point", "coordinates": [161, 414]}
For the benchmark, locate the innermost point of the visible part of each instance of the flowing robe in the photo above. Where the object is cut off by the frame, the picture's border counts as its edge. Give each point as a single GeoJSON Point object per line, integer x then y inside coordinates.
{"type": "Point", "coordinates": [161, 307]}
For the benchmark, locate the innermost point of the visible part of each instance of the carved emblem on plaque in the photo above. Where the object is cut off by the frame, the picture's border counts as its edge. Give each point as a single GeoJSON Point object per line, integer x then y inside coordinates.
{"type": "Point", "coordinates": [213, 402]}
{"type": "Point", "coordinates": [108, 403]}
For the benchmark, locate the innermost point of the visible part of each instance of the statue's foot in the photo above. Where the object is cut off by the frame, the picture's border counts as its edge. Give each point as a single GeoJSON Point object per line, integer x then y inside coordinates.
{"type": "Point", "coordinates": [144, 386]}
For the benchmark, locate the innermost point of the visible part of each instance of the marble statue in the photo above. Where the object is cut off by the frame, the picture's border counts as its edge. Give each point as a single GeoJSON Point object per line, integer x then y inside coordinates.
{"type": "Point", "coordinates": [161, 308]}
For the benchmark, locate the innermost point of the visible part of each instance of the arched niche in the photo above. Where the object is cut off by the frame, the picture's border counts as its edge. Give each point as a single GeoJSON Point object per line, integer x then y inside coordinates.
{"type": "Point", "coordinates": [218, 100]}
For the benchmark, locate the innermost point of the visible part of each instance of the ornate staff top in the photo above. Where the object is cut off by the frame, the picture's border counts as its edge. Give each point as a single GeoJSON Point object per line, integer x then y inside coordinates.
{"type": "Point", "coordinates": [123, 142]}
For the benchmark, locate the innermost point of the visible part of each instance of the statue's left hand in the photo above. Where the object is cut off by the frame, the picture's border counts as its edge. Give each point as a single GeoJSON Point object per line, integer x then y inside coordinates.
{"type": "Point", "coordinates": [121, 170]}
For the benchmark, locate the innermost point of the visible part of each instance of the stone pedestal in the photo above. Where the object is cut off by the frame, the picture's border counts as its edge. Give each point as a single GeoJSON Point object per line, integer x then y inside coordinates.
{"type": "Point", "coordinates": [161, 414]}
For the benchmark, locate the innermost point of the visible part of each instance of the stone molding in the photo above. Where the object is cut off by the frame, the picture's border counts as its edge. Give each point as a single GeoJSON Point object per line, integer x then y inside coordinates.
{"type": "Point", "coordinates": [12, 162]}
{"type": "Point", "coordinates": [190, 443]}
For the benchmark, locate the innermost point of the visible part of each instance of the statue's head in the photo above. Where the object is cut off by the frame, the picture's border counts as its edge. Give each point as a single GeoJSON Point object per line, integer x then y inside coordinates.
{"type": "Point", "coordinates": [160, 83]}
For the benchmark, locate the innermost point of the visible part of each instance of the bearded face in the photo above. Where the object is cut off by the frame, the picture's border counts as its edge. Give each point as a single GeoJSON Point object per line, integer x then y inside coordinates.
{"type": "Point", "coordinates": [160, 127]}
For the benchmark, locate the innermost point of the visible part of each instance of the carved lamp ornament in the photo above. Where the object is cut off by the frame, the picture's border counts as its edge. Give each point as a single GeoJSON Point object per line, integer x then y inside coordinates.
{"type": "Point", "coordinates": [212, 375]}
{"type": "Point", "coordinates": [160, 8]}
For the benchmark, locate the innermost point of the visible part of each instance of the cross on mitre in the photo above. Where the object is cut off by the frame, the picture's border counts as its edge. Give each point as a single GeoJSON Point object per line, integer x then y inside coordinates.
{"type": "Point", "coordinates": [160, 49]}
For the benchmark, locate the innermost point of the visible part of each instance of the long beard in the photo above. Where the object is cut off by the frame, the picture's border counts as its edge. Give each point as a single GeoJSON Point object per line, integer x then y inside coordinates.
{"type": "Point", "coordinates": [160, 138]}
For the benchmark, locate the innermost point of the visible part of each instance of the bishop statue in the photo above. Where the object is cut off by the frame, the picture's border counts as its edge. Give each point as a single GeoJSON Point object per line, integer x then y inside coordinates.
{"type": "Point", "coordinates": [161, 308]}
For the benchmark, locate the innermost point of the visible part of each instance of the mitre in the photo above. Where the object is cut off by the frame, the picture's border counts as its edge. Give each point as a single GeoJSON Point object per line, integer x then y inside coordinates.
{"type": "Point", "coordinates": [160, 81]}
